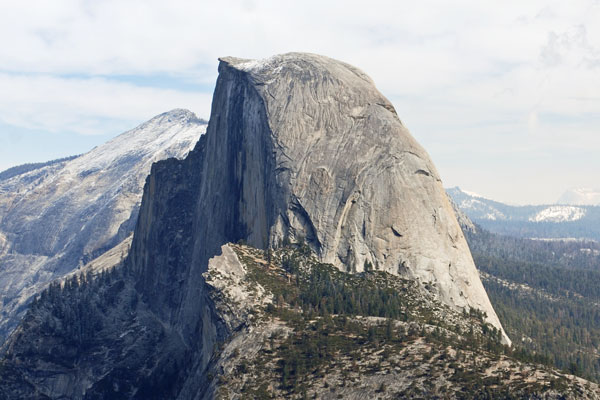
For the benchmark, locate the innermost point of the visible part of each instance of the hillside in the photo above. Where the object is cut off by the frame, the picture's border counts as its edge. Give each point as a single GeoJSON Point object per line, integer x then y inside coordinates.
{"type": "Point", "coordinates": [296, 328]}
{"type": "Point", "coordinates": [24, 168]}
{"type": "Point", "coordinates": [546, 295]}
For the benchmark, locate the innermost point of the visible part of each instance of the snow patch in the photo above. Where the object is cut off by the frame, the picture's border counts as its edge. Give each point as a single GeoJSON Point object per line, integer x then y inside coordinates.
{"type": "Point", "coordinates": [471, 203]}
{"type": "Point", "coordinates": [592, 252]}
{"type": "Point", "coordinates": [559, 214]}
{"type": "Point", "coordinates": [487, 211]}
{"type": "Point", "coordinates": [472, 194]}
{"type": "Point", "coordinates": [3, 244]}
{"type": "Point", "coordinates": [253, 65]}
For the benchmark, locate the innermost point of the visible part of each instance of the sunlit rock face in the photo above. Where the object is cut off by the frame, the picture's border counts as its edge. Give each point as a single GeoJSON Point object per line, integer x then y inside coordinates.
{"type": "Point", "coordinates": [314, 150]}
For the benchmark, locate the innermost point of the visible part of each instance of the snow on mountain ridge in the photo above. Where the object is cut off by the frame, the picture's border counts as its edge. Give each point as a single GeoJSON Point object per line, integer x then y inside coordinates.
{"type": "Point", "coordinates": [580, 197]}
{"type": "Point", "coordinates": [148, 138]}
{"type": "Point", "coordinates": [473, 194]}
{"type": "Point", "coordinates": [559, 214]}
{"type": "Point", "coordinates": [531, 221]}
{"type": "Point", "coordinates": [491, 213]}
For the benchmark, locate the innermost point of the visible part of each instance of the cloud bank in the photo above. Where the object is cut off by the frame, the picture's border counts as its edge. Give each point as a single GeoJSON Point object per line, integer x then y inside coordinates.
{"type": "Point", "coordinates": [501, 94]}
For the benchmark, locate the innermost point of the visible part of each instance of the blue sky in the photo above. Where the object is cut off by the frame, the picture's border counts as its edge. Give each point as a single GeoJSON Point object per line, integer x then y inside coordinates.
{"type": "Point", "coordinates": [505, 96]}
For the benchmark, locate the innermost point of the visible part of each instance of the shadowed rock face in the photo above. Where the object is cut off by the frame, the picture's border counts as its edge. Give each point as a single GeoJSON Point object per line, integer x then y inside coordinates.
{"type": "Point", "coordinates": [307, 146]}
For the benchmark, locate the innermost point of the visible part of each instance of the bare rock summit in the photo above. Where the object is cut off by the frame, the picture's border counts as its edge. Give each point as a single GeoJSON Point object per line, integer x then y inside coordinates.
{"type": "Point", "coordinates": [349, 177]}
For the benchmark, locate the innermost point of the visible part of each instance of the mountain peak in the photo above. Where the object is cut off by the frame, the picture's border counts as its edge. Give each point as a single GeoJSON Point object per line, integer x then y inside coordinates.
{"type": "Point", "coordinates": [177, 114]}
{"type": "Point", "coordinates": [59, 215]}
{"type": "Point", "coordinates": [580, 197]}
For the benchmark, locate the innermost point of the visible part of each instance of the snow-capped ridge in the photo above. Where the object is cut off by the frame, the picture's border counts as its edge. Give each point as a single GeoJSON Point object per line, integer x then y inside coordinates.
{"type": "Point", "coordinates": [156, 136]}
{"type": "Point", "coordinates": [479, 204]}
{"type": "Point", "coordinates": [467, 192]}
{"type": "Point", "coordinates": [531, 221]}
{"type": "Point", "coordinates": [580, 197]}
{"type": "Point", "coordinates": [559, 214]}
{"type": "Point", "coordinates": [473, 194]}
{"type": "Point", "coordinates": [177, 114]}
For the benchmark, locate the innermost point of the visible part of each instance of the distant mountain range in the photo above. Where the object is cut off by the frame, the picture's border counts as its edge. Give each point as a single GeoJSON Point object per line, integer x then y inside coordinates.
{"type": "Point", "coordinates": [544, 286]}
{"type": "Point", "coordinates": [541, 286]}
{"type": "Point", "coordinates": [552, 221]}
{"type": "Point", "coordinates": [580, 197]}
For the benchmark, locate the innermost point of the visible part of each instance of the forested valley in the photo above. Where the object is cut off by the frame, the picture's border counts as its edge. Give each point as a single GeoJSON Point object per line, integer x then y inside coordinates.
{"type": "Point", "coordinates": [546, 294]}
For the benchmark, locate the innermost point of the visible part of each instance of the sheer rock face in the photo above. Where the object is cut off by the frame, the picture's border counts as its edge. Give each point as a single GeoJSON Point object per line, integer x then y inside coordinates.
{"type": "Point", "coordinates": [301, 145]}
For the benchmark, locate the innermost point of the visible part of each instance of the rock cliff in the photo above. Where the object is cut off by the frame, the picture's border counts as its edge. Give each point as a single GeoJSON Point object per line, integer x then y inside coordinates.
{"type": "Point", "coordinates": [301, 145]}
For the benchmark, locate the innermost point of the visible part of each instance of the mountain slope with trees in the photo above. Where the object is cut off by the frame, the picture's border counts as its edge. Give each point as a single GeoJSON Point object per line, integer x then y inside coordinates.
{"type": "Point", "coordinates": [546, 294]}
{"type": "Point", "coordinates": [287, 326]}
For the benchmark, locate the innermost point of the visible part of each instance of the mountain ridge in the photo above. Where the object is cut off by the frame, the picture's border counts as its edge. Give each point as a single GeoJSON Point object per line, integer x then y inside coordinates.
{"type": "Point", "coordinates": [551, 221]}
{"type": "Point", "coordinates": [57, 217]}
{"type": "Point", "coordinates": [24, 168]}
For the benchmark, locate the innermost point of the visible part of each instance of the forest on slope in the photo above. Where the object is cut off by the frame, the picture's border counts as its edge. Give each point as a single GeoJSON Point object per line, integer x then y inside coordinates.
{"type": "Point", "coordinates": [546, 294]}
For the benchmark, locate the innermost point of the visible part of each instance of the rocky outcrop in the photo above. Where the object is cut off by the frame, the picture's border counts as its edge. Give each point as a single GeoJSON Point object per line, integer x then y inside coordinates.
{"type": "Point", "coordinates": [463, 220]}
{"type": "Point", "coordinates": [281, 349]}
{"type": "Point", "coordinates": [56, 218]}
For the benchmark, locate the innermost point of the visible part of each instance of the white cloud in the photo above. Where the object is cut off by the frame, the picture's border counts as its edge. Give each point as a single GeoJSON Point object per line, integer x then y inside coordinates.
{"type": "Point", "coordinates": [84, 105]}
{"type": "Point", "coordinates": [532, 122]}
{"type": "Point", "coordinates": [458, 72]}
